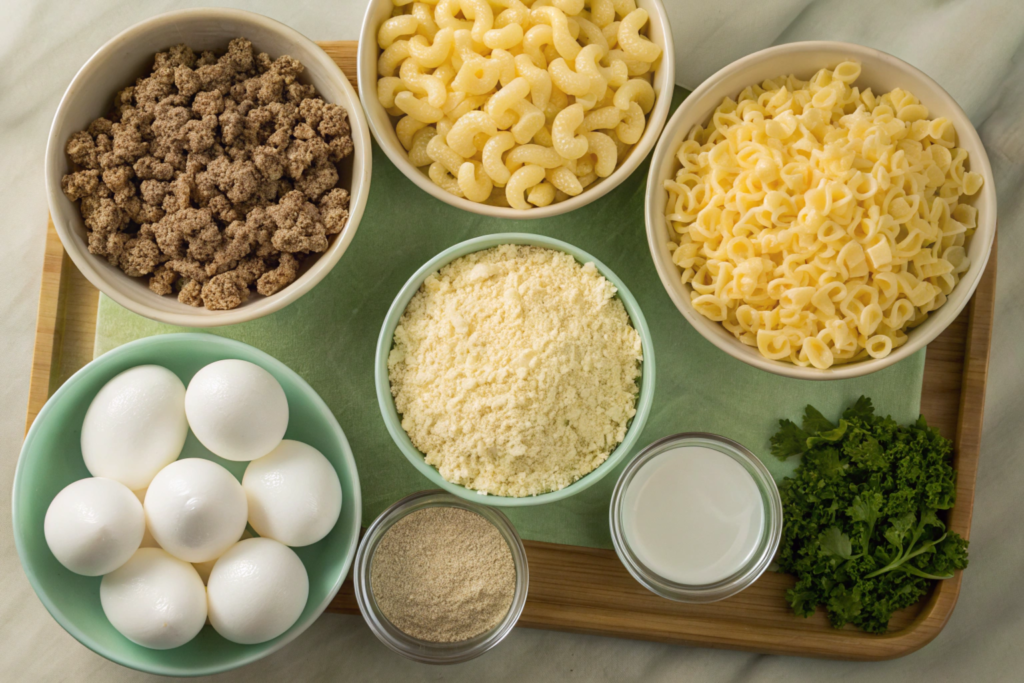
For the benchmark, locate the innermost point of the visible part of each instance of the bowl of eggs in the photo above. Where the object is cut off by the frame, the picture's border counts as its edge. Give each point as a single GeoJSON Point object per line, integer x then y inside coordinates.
{"type": "Point", "coordinates": [529, 111]}
{"type": "Point", "coordinates": [185, 505]}
{"type": "Point", "coordinates": [820, 210]}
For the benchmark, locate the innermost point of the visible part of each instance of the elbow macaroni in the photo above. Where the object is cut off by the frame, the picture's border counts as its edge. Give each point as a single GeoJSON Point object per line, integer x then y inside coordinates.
{"type": "Point", "coordinates": [816, 221]}
{"type": "Point", "coordinates": [517, 102]}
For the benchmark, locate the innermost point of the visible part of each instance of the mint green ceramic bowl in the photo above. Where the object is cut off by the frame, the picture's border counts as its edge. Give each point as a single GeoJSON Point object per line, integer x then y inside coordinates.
{"type": "Point", "coordinates": [51, 458]}
{"type": "Point", "coordinates": [394, 421]}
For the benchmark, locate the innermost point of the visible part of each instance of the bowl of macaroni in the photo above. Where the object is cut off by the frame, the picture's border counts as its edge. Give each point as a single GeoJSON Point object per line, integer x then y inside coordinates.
{"type": "Point", "coordinates": [516, 109]}
{"type": "Point", "coordinates": [820, 210]}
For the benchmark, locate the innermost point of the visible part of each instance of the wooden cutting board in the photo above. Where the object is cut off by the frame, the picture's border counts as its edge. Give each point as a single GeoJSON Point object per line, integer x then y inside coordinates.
{"type": "Point", "coordinates": [587, 590]}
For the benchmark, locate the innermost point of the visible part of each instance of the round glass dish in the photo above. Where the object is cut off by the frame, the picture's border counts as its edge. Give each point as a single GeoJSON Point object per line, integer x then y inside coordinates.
{"type": "Point", "coordinates": [759, 559]}
{"type": "Point", "coordinates": [423, 650]}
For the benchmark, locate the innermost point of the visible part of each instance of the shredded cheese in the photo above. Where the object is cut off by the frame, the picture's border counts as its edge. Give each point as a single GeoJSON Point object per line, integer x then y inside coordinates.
{"type": "Point", "coordinates": [515, 370]}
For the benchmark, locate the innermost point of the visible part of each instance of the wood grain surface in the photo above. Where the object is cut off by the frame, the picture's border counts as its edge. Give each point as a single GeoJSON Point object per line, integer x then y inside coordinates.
{"type": "Point", "coordinates": [588, 590]}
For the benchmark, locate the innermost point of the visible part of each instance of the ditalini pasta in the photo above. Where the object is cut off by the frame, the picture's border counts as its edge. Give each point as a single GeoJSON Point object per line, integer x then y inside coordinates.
{"type": "Point", "coordinates": [817, 221]}
{"type": "Point", "coordinates": [512, 103]}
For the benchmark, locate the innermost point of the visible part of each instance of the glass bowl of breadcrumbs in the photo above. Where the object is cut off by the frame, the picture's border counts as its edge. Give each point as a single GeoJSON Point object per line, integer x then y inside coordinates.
{"type": "Point", "coordinates": [439, 579]}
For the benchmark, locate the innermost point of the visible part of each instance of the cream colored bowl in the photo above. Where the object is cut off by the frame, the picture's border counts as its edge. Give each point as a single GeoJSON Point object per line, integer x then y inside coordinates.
{"type": "Point", "coordinates": [879, 71]}
{"type": "Point", "coordinates": [128, 56]}
{"type": "Point", "coordinates": [384, 128]}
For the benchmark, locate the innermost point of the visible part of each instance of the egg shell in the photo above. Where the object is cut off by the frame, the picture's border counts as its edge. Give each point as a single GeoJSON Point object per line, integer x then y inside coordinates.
{"type": "Point", "coordinates": [256, 591]}
{"type": "Point", "coordinates": [93, 526]}
{"type": "Point", "coordinates": [236, 409]}
{"type": "Point", "coordinates": [294, 494]}
{"type": "Point", "coordinates": [135, 426]}
{"type": "Point", "coordinates": [195, 509]}
{"type": "Point", "coordinates": [155, 600]}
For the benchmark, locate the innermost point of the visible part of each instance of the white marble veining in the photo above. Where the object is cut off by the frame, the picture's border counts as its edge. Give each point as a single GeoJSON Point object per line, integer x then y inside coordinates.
{"type": "Point", "coordinates": [974, 48]}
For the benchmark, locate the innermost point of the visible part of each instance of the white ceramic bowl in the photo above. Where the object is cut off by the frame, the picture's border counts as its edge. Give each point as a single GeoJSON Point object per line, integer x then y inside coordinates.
{"type": "Point", "coordinates": [880, 71]}
{"type": "Point", "coordinates": [129, 56]}
{"type": "Point", "coordinates": [383, 127]}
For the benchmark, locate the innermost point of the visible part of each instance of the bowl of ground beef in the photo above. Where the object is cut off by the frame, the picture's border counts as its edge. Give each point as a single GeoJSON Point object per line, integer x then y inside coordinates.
{"type": "Point", "coordinates": [207, 167]}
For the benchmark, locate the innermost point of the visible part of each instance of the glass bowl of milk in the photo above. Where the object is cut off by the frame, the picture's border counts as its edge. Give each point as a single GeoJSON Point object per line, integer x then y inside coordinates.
{"type": "Point", "coordinates": [696, 517]}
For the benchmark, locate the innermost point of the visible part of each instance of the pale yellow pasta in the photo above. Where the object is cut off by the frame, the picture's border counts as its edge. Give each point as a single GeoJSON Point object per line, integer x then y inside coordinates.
{"type": "Point", "coordinates": [418, 149]}
{"type": "Point", "coordinates": [443, 179]}
{"type": "Point", "coordinates": [395, 27]}
{"type": "Point", "coordinates": [631, 128]}
{"type": "Point", "coordinates": [602, 147]}
{"type": "Point", "coordinates": [565, 180]}
{"type": "Point", "coordinates": [441, 153]}
{"type": "Point", "coordinates": [424, 13]}
{"type": "Point", "coordinates": [415, 81]}
{"type": "Point", "coordinates": [538, 155]}
{"type": "Point", "coordinates": [522, 180]}
{"type": "Point", "coordinates": [461, 137]}
{"type": "Point", "coordinates": [406, 129]}
{"type": "Point", "coordinates": [431, 55]}
{"type": "Point", "coordinates": [525, 103]}
{"type": "Point", "coordinates": [493, 164]}
{"type": "Point", "coordinates": [563, 132]}
{"type": "Point", "coordinates": [417, 108]}
{"type": "Point", "coordinates": [816, 221]}
{"type": "Point", "coordinates": [632, 42]}
{"type": "Point", "coordinates": [541, 195]}
{"type": "Point", "coordinates": [568, 81]}
{"type": "Point", "coordinates": [605, 117]}
{"type": "Point", "coordinates": [474, 182]}
{"type": "Point", "coordinates": [505, 38]}
{"type": "Point", "coordinates": [387, 88]}
{"type": "Point", "coordinates": [602, 12]}
{"type": "Point", "coordinates": [477, 76]}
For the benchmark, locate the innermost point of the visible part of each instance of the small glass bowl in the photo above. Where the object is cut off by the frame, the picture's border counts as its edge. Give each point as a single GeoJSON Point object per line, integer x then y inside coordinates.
{"type": "Point", "coordinates": [746, 575]}
{"type": "Point", "coordinates": [423, 650]}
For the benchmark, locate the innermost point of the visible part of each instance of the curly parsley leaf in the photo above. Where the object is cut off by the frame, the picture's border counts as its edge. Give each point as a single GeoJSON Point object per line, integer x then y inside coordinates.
{"type": "Point", "coordinates": [862, 531]}
{"type": "Point", "coordinates": [790, 440]}
{"type": "Point", "coordinates": [815, 422]}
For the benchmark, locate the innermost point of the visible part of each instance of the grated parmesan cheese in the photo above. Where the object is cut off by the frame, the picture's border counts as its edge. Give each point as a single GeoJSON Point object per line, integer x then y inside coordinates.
{"type": "Point", "coordinates": [514, 370]}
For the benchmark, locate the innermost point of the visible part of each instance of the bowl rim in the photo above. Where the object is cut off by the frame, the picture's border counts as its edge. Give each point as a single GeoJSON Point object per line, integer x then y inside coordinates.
{"type": "Point", "coordinates": [265, 360]}
{"type": "Point", "coordinates": [361, 172]}
{"type": "Point", "coordinates": [667, 271]}
{"type": "Point", "coordinates": [386, 402]}
{"type": "Point", "coordinates": [376, 115]}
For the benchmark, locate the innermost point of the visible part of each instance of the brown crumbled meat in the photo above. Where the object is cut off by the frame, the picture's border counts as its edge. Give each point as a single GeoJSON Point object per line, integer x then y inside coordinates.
{"type": "Point", "coordinates": [191, 293]}
{"type": "Point", "coordinates": [163, 280]}
{"type": "Point", "coordinates": [224, 292]}
{"type": "Point", "coordinates": [275, 280]}
{"type": "Point", "coordinates": [334, 210]}
{"type": "Point", "coordinates": [140, 257]}
{"type": "Point", "coordinates": [212, 176]}
{"type": "Point", "coordinates": [80, 184]}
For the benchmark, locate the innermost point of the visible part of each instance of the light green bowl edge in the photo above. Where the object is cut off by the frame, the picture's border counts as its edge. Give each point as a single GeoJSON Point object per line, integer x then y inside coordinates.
{"type": "Point", "coordinates": [387, 403]}
{"type": "Point", "coordinates": [98, 363]}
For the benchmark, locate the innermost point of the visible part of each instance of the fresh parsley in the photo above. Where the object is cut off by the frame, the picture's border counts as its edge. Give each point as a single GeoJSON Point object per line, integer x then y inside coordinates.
{"type": "Point", "coordinates": [861, 527]}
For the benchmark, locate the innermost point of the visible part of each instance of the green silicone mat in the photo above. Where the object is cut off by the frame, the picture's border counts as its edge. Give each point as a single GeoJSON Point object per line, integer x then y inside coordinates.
{"type": "Point", "coordinates": [328, 337]}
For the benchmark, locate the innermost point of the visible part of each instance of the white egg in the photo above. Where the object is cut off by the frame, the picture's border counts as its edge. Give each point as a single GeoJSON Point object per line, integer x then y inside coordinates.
{"type": "Point", "coordinates": [135, 426]}
{"type": "Point", "coordinates": [195, 509]}
{"type": "Point", "coordinates": [204, 568]}
{"type": "Point", "coordinates": [294, 494]}
{"type": "Point", "coordinates": [94, 525]}
{"type": "Point", "coordinates": [155, 600]}
{"type": "Point", "coordinates": [147, 538]}
{"type": "Point", "coordinates": [236, 409]}
{"type": "Point", "coordinates": [256, 591]}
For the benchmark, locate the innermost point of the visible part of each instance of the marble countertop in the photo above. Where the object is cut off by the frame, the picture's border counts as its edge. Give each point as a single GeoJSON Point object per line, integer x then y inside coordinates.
{"type": "Point", "coordinates": [974, 48]}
